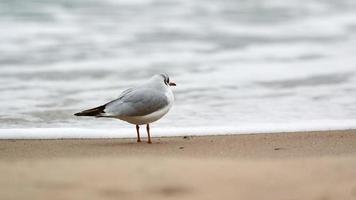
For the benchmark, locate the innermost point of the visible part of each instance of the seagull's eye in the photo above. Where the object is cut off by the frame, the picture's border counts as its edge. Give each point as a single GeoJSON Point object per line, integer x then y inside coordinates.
{"type": "Point", "coordinates": [166, 80]}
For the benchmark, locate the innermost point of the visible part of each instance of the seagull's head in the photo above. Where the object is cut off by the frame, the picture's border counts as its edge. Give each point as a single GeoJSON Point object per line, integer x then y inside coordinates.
{"type": "Point", "coordinates": [166, 81]}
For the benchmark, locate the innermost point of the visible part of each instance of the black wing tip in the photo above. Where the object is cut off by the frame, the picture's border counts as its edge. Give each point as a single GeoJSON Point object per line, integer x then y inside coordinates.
{"type": "Point", "coordinates": [92, 112]}
{"type": "Point", "coordinates": [78, 114]}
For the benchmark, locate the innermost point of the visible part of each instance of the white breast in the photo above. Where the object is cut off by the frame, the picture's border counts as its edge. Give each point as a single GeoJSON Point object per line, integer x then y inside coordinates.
{"type": "Point", "coordinates": [152, 117]}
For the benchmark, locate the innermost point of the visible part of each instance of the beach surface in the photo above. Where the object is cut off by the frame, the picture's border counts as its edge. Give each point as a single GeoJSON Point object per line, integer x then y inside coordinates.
{"type": "Point", "coordinates": [275, 166]}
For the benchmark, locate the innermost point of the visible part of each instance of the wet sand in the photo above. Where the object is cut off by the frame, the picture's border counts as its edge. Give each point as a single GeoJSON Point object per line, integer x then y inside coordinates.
{"type": "Point", "coordinates": [278, 166]}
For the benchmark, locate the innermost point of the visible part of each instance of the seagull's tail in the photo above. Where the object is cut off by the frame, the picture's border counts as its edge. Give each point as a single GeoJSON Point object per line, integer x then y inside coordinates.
{"type": "Point", "coordinates": [97, 112]}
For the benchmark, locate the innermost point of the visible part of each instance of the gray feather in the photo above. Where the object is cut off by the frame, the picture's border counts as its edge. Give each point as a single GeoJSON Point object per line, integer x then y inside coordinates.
{"type": "Point", "coordinates": [137, 102]}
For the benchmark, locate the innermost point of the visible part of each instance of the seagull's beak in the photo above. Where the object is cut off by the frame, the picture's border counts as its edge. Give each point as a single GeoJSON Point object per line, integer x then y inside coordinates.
{"type": "Point", "coordinates": [172, 84]}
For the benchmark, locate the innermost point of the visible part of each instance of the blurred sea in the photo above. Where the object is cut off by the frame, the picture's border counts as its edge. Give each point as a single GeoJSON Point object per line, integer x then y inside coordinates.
{"type": "Point", "coordinates": [240, 65]}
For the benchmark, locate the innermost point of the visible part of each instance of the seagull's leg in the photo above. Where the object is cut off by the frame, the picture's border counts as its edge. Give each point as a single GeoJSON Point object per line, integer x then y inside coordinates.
{"type": "Point", "coordinates": [148, 133]}
{"type": "Point", "coordinates": [138, 133]}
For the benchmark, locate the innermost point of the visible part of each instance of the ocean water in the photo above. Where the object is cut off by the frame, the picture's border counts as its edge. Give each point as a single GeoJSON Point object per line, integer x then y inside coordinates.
{"type": "Point", "coordinates": [241, 66]}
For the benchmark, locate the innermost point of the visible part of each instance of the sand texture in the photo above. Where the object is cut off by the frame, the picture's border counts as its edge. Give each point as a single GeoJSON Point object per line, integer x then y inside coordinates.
{"type": "Point", "coordinates": [280, 166]}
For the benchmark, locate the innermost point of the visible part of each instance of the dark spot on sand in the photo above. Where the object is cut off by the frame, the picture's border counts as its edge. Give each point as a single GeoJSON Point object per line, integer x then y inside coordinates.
{"type": "Point", "coordinates": [181, 147]}
{"type": "Point", "coordinates": [171, 190]}
{"type": "Point", "coordinates": [278, 148]}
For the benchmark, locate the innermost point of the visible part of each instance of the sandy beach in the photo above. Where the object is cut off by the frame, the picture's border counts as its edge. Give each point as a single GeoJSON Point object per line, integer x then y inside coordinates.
{"type": "Point", "coordinates": [276, 166]}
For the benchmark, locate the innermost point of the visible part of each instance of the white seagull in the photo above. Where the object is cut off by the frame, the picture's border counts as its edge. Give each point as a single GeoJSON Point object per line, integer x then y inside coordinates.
{"type": "Point", "coordinates": [140, 105]}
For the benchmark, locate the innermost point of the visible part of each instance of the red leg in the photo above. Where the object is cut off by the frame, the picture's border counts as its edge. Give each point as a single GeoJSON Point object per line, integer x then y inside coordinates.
{"type": "Point", "coordinates": [138, 133]}
{"type": "Point", "coordinates": [148, 133]}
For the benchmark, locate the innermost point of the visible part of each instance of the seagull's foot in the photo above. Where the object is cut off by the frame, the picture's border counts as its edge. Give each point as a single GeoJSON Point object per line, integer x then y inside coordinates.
{"type": "Point", "coordinates": [149, 142]}
{"type": "Point", "coordinates": [138, 141]}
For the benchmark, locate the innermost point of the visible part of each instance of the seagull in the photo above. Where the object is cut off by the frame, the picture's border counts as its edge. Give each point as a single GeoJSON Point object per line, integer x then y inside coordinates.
{"type": "Point", "coordinates": [140, 105]}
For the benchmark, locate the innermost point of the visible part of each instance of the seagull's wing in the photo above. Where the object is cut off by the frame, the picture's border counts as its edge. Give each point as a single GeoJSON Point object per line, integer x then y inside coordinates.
{"type": "Point", "coordinates": [125, 92]}
{"type": "Point", "coordinates": [136, 102]}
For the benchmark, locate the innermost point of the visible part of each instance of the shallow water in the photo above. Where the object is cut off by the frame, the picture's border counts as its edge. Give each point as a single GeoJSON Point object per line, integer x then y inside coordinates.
{"type": "Point", "coordinates": [240, 66]}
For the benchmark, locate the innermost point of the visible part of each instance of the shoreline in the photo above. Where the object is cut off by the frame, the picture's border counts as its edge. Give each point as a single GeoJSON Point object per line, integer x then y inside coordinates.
{"type": "Point", "coordinates": [113, 132]}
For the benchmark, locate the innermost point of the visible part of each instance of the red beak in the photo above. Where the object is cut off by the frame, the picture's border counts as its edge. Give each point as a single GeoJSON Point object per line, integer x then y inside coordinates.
{"type": "Point", "coordinates": [172, 84]}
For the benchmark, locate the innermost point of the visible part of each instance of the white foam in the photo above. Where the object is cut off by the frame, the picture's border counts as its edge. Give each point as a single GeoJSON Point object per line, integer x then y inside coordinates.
{"type": "Point", "coordinates": [82, 133]}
